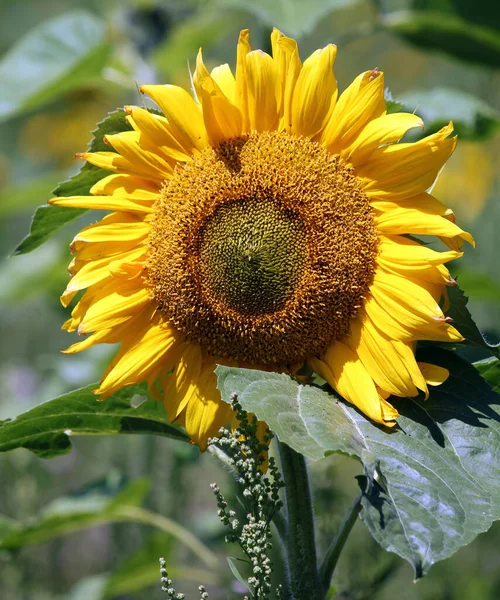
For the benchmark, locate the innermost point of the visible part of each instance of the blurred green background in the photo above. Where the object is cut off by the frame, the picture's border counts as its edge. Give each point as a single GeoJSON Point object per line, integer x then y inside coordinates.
{"type": "Point", "coordinates": [63, 65]}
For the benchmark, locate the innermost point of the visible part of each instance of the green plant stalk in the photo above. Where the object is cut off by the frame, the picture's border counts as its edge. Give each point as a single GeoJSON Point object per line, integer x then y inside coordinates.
{"type": "Point", "coordinates": [300, 543]}
{"type": "Point", "coordinates": [333, 553]}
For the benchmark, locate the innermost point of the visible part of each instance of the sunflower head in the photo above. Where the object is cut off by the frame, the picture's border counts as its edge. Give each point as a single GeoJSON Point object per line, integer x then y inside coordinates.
{"type": "Point", "coordinates": [262, 249]}
{"type": "Point", "coordinates": [263, 222]}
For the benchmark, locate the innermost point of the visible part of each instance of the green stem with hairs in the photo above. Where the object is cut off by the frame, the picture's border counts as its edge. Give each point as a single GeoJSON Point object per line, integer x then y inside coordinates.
{"type": "Point", "coordinates": [305, 583]}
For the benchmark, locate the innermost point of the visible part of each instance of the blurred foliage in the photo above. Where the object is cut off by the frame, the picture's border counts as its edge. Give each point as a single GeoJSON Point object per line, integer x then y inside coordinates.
{"type": "Point", "coordinates": [66, 64]}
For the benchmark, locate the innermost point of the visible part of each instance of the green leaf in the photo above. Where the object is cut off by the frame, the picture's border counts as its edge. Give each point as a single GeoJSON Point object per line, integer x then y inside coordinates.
{"type": "Point", "coordinates": [490, 372]}
{"type": "Point", "coordinates": [436, 478]}
{"type": "Point", "coordinates": [48, 219]}
{"type": "Point", "coordinates": [46, 429]}
{"type": "Point", "coordinates": [54, 58]}
{"type": "Point", "coordinates": [46, 222]}
{"type": "Point", "coordinates": [447, 32]}
{"type": "Point", "coordinates": [472, 118]}
{"type": "Point", "coordinates": [310, 420]}
{"type": "Point", "coordinates": [231, 561]}
{"type": "Point", "coordinates": [463, 321]}
{"type": "Point", "coordinates": [294, 17]}
{"type": "Point", "coordinates": [391, 105]}
{"type": "Point", "coordinates": [441, 469]}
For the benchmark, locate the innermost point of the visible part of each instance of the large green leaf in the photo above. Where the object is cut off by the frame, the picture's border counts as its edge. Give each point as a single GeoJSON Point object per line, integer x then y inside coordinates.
{"type": "Point", "coordinates": [472, 118]}
{"type": "Point", "coordinates": [447, 32]}
{"type": "Point", "coordinates": [55, 57]}
{"type": "Point", "coordinates": [48, 219]}
{"type": "Point", "coordinates": [47, 428]}
{"type": "Point", "coordinates": [436, 482]}
{"type": "Point", "coordinates": [307, 418]}
{"type": "Point", "coordinates": [463, 321]}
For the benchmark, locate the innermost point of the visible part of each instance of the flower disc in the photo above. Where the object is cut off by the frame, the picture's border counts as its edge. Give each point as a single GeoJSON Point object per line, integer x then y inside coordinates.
{"type": "Point", "coordinates": [262, 249]}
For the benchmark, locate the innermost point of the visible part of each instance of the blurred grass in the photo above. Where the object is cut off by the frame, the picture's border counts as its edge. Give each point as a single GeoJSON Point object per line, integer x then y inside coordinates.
{"type": "Point", "coordinates": [151, 41]}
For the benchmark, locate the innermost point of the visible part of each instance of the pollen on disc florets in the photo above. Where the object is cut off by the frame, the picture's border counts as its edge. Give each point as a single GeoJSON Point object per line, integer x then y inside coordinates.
{"type": "Point", "coordinates": [263, 249]}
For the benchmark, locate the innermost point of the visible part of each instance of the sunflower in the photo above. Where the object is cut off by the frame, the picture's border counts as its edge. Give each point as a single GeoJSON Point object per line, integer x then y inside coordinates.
{"type": "Point", "coordinates": [266, 223]}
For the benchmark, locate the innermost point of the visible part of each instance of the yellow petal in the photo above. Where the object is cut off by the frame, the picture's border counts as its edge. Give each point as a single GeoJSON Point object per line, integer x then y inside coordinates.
{"type": "Point", "coordinates": [241, 83]}
{"type": "Point", "coordinates": [205, 413]}
{"type": "Point", "coordinates": [411, 259]}
{"type": "Point", "coordinates": [224, 78]}
{"type": "Point", "coordinates": [381, 359]}
{"type": "Point", "coordinates": [263, 91]}
{"type": "Point", "coordinates": [142, 354]}
{"type": "Point", "coordinates": [117, 305]}
{"type": "Point", "coordinates": [403, 305]}
{"type": "Point", "coordinates": [125, 270]}
{"type": "Point", "coordinates": [110, 251]}
{"type": "Point", "coordinates": [403, 170]}
{"type": "Point", "coordinates": [181, 380]}
{"type": "Point", "coordinates": [433, 374]}
{"type": "Point", "coordinates": [116, 227]}
{"type": "Point", "coordinates": [145, 161]}
{"type": "Point", "coordinates": [182, 113]}
{"type": "Point", "coordinates": [134, 188]}
{"type": "Point", "coordinates": [361, 102]}
{"type": "Point", "coordinates": [424, 202]}
{"type": "Point", "coordinates": [98, 270]}
{"type": "Point", "coordinates": [103, 203]}
{"type": "Point", "coordinates": [379, 132]}
{"type": "Point", "coordinates": [99, 337]}
{"type": "Point", "coordinates": [415, 220]}
{"type": "Point", "coordinates": [288, 64]}
{"type": "Point", "coordinates": [345, 372]}
{"type": "Point", "coordinates": [315, 93]}
{"type": "Point", "coordinates": [112, 161]}
{"type": "Point", "coordinates": [222, 119]}
{"type": "Point", "coordinates": [157, 131]}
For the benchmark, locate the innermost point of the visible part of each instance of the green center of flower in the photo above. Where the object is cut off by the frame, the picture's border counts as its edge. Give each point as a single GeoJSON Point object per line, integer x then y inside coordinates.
{"type": "Point", "coordinates": [252, 255]}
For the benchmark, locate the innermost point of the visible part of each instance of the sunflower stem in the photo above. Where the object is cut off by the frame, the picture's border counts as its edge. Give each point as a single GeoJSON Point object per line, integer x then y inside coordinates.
{"type": "Point", "coordinates": [335, 549]}
{"type": "Point", "coordinates": [300, 543]}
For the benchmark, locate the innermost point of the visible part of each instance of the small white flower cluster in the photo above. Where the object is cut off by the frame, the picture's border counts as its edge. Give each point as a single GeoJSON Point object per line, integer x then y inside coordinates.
{"type": "Point", "coordinates": [166, 585]}
{"type": "Point", "coordinates": [247, 454]}
{"type": "Point", "coordinates": [166, 582]}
